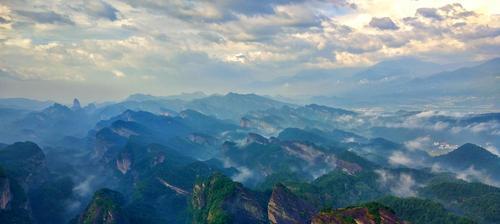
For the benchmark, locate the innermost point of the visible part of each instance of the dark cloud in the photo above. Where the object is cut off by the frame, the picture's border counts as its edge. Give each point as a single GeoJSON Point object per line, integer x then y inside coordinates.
{"type": "Point", "coordinates": [97, 9]}
{"type": "Point", "coordinates": [227, 10]}
{"type": "Point", "coordinates": [383, 23]}
{"type": "Point", "coordinates": [4, 20]}
{"type": "Point", "coordinates": [45, 17]}
{"type": "Point", "coordinates": [102, 10]}
{"type": "Point", "coordinates": [453, 11]}
{"type": "Point", "coordinates": [267, 7]}
{"type": "Point", "coordinates": [431, 13]}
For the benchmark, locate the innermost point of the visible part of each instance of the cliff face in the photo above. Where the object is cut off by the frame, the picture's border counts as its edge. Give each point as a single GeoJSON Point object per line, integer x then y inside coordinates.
{"type": "Point", "coordinates": [105, 208]}
{"type": "Point", "coordinates": [372, 213]}
{"type": "Point", "coordinates": [220, 200]}
{"type": "Point", "coordinates": [13, 201]}
{"type": "Point", "coordinates": [286, 208]}
{"type": "Point", "coordinates": [5, 193]}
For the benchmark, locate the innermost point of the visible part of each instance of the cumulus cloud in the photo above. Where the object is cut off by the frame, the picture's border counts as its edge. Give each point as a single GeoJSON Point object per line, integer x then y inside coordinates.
{"type": "Point", "coordinates": [86, 40]}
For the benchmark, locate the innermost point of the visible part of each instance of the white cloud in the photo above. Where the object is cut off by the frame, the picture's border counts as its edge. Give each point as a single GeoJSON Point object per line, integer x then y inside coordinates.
{"type": "Point", "coordinates": [472, 174]}
{"type": "Point", "coordinates": [118, 74]}
{"type": "Point", "coordinates": [490, 147]}
{"type": "Point", "coordinates": [399, 158]}
{"type": "Point", "coordinates": [256, 41]}
{"type": "Point", "coordinates": [402, 185]}
{"type": "Point", "coordinates": [420, 143]}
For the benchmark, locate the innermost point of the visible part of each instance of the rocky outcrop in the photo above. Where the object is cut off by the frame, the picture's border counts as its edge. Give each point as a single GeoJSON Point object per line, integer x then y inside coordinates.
{"type": "Point", "coordinates": [105, 208]}
{"type": "Point", "coordinates": [124, 163]}
{"type": "Point", "coordinates": [76, 105]}
{"type": "Point", "coordinates": [286, 208]}
{"type": "Point", "coordinates": [5, 193]}
{"type": "Point", "coordinates": [256, 138]}
{"type": "Point", "coordinates": [372, 213]}
{"type": "Point", "coordinates": [13, 201]}
{"type": "Point", "coordinates": [220, 200]}
{"type": "Point", "coordinates": [177, 190]}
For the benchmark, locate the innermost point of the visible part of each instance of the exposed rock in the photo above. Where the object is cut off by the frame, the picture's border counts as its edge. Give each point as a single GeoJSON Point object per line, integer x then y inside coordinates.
{"type": "Point", "coordinates": [5, 193]}
{"type": "Point", "coordinates": [174, 188]}
{"type": "Point", "coordinates": [13, 201]}
{"type": "Point", "coordinates": [286, 208]}
{"type": "Point", "coordinates": [372, 213]}
{"type": "Point", "coordinates": [123, 163]}
{"type": "Point", "coordinates": [220, 200]}
{"type": "Point", "coordinates": [348, 167]}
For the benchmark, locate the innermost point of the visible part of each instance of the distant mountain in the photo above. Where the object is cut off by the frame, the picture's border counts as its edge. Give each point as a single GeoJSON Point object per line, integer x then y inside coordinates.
{"type": "Point", "coordinates": [24, 104]}
{"type": "Point", "coordinates": [191, 133]}
{"type": "Point", "coordinates": [273, 120]}
{"type": "Point", "coordinates": [405, 67]}
{"type": "Point", "coordinates": [163, 106]}
{"type": "Point", "coordinates": [233, 105]}
{"type": "Point", "coordinates": [182, 96]}
{"type": "Point", "coordinates": [52, 124]}
{"type": "Point", "coordinates": [479, 80]}
{"type": "Point", "coordinates": [471, 156]}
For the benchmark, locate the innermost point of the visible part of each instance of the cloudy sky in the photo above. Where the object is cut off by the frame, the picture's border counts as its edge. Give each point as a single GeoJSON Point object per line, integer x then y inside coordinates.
{"type": "Point", "coordinates": [101, 50]}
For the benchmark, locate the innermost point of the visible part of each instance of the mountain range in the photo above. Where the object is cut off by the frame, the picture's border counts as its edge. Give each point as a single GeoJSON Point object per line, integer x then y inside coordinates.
{"type": "Point", "coordinates": [245, 158]}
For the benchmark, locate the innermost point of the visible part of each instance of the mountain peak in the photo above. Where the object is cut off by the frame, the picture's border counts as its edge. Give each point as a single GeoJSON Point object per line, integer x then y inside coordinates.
{"type": "Point", "coordinates": [470, 155]}
{"type": "Point", "coordinates": [76, 104]}
{"type": "Point", "coordinates": [105, 207]}
{"type": "Point", "coordinates": [469, 148]}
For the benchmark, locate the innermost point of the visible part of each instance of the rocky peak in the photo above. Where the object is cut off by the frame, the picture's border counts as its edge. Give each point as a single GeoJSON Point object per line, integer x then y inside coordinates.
{"type": "Point", "coordinates": [220, 200]}
{"type": "Point", "coordinates": [286, 208]}
{"type": "Point", "coordinates": [105, 208]}
{"type": "Point", "coordinates": [124, 162]}
{"type": "Point", "coordinates": [76, 104]}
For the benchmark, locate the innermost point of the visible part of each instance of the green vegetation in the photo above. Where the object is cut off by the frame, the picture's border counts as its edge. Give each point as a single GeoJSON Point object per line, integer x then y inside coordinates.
{"type": "Point", "coordinates": [105, 208]}
{"type": "Point", "coordinates": [477, 201]}
{"type": "Point", "coordinates": [338, 189]}
{"type": "Point", "coordinates": [208, 200]}
{"type": "Point", "coordinates": [49, 201]}
{"type": "Point", "coordinates": [417, 210]}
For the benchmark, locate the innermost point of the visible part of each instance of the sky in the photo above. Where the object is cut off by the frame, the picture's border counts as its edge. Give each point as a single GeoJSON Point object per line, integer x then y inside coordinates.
{"type": "Point", "coordinates": [106, 50]}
